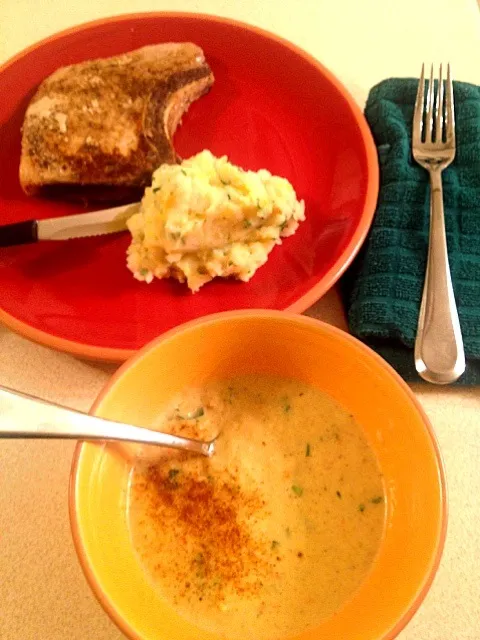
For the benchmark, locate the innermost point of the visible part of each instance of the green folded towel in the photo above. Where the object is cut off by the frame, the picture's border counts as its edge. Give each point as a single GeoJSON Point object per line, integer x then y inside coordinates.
{"type": "Point", "coordinates": [384, 286]}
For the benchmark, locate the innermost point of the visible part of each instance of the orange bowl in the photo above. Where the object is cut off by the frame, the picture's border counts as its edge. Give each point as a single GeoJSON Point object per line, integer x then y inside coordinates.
{"type": "Point", "coordinates": [240, 342]}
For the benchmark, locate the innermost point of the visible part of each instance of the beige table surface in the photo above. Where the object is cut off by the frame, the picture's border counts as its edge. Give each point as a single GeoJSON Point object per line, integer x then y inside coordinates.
{"type": "Point", "coordinates": [42, 591]}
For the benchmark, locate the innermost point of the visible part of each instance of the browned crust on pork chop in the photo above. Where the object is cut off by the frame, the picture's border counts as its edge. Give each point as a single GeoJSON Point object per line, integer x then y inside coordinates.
{"type": "Point", "coordinates": [100, 128]}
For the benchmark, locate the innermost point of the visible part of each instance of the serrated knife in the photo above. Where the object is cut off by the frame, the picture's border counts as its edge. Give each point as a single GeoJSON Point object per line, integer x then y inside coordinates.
{"type": "Point", "coordinates": [80, 225]}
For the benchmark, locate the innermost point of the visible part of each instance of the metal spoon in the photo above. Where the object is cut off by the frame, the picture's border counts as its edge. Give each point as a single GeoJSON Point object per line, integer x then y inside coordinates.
{"type": "Point", "coordinates": [24, 416]}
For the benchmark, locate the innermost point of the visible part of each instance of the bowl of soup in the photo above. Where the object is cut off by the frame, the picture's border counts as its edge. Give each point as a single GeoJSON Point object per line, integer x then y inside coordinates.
{"type": "Point", "coordinates": [321, 514]}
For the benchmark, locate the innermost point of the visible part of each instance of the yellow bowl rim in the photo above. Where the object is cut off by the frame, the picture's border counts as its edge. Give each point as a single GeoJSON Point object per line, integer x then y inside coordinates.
{"type": "Point", "coordinates": [337, 333]}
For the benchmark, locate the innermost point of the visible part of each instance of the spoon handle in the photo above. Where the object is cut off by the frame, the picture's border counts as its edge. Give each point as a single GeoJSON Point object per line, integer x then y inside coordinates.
{"type": "Point", "coordinates": [24, 416]}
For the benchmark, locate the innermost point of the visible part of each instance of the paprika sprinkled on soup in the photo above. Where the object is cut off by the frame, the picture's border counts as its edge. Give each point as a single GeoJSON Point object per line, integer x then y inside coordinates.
{"type": "Point", "coordinates": [278, 529]}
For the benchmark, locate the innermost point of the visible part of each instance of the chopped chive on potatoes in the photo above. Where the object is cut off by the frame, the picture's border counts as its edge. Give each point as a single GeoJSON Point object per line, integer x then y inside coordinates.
{"type": "Point", "coordinates": [208, 218]}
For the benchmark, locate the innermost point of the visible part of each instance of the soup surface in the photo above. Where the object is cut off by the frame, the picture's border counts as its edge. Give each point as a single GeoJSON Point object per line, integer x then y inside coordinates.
{"type": "Point", "coordinates": [274, 532]}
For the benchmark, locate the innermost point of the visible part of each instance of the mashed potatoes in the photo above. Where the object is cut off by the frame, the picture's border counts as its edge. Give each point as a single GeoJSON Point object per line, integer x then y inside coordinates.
{"type": "Point", "coordinates": [207, 218]}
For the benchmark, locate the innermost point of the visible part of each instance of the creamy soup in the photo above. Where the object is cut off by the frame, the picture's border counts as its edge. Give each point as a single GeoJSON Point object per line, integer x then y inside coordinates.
{"type": "Point", "coordinates": [279, 528]}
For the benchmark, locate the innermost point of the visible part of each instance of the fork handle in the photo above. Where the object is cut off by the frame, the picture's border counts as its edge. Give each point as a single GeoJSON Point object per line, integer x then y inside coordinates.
{"type": "Point", "coordinates": [439, 354]}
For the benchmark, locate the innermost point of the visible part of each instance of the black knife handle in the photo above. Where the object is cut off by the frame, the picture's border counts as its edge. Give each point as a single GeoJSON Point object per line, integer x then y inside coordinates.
{"type": "Point", "coordinates": [18, 233]}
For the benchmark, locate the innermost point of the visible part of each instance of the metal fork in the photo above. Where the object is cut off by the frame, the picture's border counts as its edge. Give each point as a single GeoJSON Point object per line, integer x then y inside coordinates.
{"type": "Point", "coordinates": [439, 354]}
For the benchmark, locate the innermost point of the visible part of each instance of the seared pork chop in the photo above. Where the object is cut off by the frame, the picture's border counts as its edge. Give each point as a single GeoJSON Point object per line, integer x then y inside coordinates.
{"type": "Point", "coordinates": [99, 128]}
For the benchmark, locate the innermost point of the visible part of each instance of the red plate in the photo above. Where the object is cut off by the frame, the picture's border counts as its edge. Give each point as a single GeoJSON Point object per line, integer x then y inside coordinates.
{"type": "Point", "coordinates": [272, 105]}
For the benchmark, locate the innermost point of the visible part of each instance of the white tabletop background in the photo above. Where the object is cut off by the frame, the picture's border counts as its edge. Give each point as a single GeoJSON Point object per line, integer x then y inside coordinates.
{"type": "Point", "coordinates": [42, 590]}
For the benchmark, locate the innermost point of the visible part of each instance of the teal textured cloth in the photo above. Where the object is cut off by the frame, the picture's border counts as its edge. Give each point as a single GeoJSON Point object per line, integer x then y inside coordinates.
{"type": "Point", "coordinates": [383, 288]}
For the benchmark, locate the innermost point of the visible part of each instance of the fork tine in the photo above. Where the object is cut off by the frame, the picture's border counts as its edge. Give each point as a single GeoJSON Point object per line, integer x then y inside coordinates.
{"type": "Point", "coordinates": [430, 101]}
{"type": "Point", "coordinates": [418, 112]}
{"type": "Point", "coordinates": [439, 109]}
{"type": "Point", "coordinates": [450, 110]}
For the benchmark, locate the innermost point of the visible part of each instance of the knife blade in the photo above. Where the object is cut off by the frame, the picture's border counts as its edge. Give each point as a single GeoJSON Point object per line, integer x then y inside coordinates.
{"type": "Point", "coordinates": [80, 225]}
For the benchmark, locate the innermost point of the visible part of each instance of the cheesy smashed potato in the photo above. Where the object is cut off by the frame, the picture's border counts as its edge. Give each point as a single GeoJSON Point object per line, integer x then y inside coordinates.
{"type": "Point", "coordinates": [207, 218]}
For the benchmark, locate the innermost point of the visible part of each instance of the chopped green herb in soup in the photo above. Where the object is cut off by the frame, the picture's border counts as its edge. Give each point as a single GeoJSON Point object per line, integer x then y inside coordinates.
{"type": "Point", "coordinates": [274, 532]}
